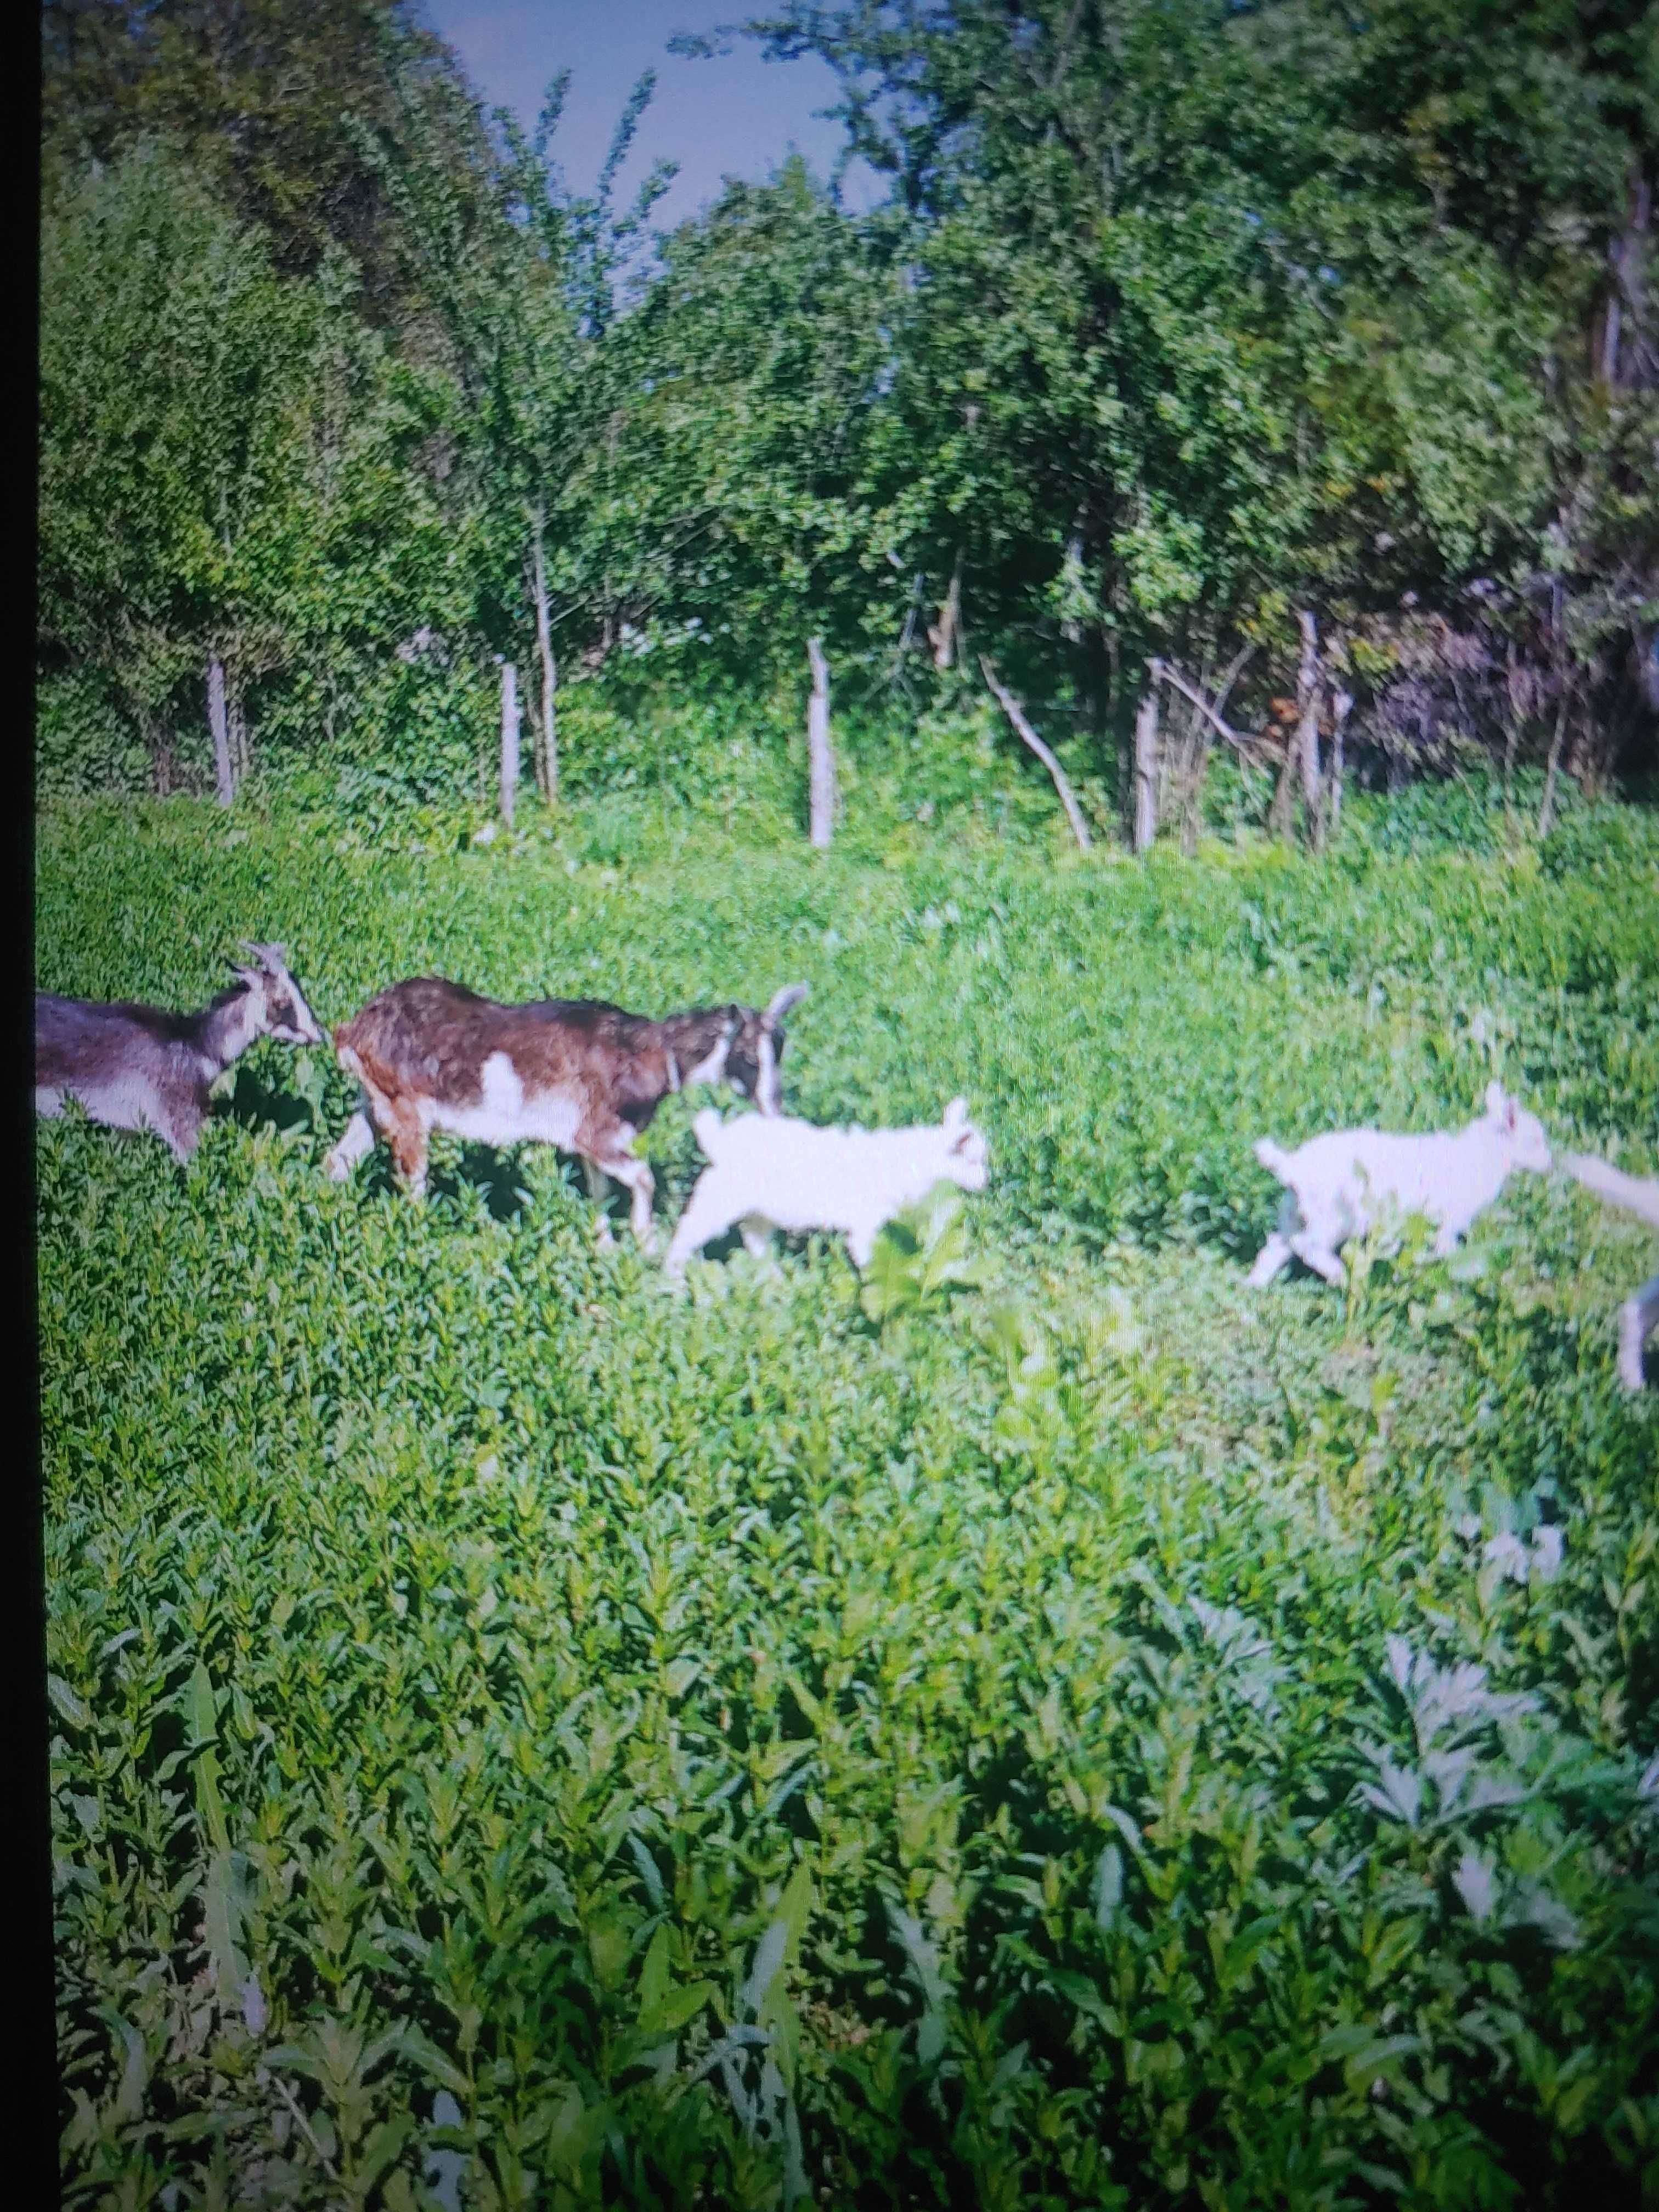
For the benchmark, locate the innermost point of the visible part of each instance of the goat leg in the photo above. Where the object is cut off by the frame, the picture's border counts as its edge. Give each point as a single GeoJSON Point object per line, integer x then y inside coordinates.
{"type": "Point", "coordinates": [409, 1152]}
{"type": "Point", "coordinates": [1323, 1261]}
{"type": "Point", "coordinates": [598, 1190]}
{"type": "Point", "coordinates": [707, 1216]}
{"type": "Point", "coordinates": [356, 1143]}
{"type": "Point", "coordinates": [756, 1234]}
{"type": "Point", "coordinates": [1274, 1254]}
{"type": "Point", "coordinates": [635, 1178]}
{"type": "Point", "coordinates": [1639, 1317]}
{"type": "Point", "coordinates": [181, 1142]}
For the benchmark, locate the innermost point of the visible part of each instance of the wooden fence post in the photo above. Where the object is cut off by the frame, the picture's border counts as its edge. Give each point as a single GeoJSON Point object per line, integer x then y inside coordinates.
{"type": "Point", "coordinates": [223, 767]}
{"type": "Point", "coordinates": [1146, 761]}
{"type": "Point", "coordinates": [820, 759]}
{"type": "Point", "coordinates": [509, 741]}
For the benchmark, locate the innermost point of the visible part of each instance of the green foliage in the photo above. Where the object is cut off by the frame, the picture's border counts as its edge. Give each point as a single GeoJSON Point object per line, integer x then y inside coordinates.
{"type": "Point", "coordinates": [760, 349]}
{"type": "Point", "coordinates": [1102, 1736]}
{"type": "Point", "coordinates": [81, 741]}
{"type": "Point", "coordinates": [221, 467]}
{"type": "Point", "coordinates": [920, 1258]}
{"type": "Point", "coordinates": [1176, 322]}
{"type": "Point", "coordinates": [265, 98]}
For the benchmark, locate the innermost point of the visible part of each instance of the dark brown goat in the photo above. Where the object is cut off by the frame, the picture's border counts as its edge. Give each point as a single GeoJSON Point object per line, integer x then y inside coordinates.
{"type": "Point", "coordinates": [574, 1073]}
{"type": "Point", "coordinates": [138, 1067]}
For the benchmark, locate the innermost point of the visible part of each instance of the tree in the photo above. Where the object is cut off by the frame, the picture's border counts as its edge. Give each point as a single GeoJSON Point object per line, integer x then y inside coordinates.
{"type": "Point", "coordinates": [522, 279]}
{"type": "Point", "coordinates": [756, 362]}
{"type": "Point", "coordinates": [267, 98]}
{"type": "Point", "coordinates": [1221, 311]}
{"type": "Point", "coordinates": [219, 468]}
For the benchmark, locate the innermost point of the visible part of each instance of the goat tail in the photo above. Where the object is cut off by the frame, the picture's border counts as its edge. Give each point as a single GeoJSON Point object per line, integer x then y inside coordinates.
{"type": "Point", "coordinates": [708, 1128]}
{"type": "Point", "coordinates": [1271, 1157]}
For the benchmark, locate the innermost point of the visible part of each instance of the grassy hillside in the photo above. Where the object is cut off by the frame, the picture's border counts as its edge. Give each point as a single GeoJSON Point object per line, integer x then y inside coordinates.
{"type": "Point", "coordinates": [1049, 1727]}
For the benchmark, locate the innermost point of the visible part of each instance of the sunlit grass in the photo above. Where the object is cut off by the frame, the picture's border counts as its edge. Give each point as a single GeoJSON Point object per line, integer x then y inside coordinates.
{"type": "Point", "coordinates": [1013, 1743]}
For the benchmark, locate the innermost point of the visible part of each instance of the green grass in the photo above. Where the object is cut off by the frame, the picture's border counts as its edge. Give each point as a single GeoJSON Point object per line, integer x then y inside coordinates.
{"type": "Point", "coordinates": [1006, 1743]}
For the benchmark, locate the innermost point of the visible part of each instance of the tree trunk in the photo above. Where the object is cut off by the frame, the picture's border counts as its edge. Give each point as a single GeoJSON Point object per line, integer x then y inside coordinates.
{"type": "Point", "coordinates": [907, 632]}
{"type": "Point", "coordinates": [1172, 755]}
{"type": "Point", "coordinates": [1628, 364]}
{"type": "Point", "coordinates": [223, 769]}
{"type": "Point", "coordinates": [820, 759]}
{"type": "Point", "coordinates": [1281, 815]}
{"type": "Point", "coordinates": [942, 634]}
{"type": "Point", "coordinates": [1612, 320]}
{"type": "Point", "coordinates": [1330, 817]}
{"type": "Point", "coordinates": [1016, 714]}
{"type": "Point", "coordinates": [1070, 628]}
{"type": "Point", "coordinates": [1192, 799]}
{"type": "Point", "coordinates": [547, 734]}
{"type": "Point", "coordinates": [1307, 721]}
{"type": "Point", "coordinates": [1207, 723]}
{"type": "Point", "coordinates": [1512, 719]}
{"type": "Point", "coordinates": [1145, 784]}
{"type": "Point", "coordinates": [1547, 811]}
{"type": "Point", "coordinates": [236, 722]}
{"type": "Point", "coordinates": [509, 740]}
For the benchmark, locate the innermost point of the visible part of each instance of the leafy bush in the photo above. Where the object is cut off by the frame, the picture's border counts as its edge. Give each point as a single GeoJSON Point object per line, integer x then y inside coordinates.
{"type": "Point", "coordinates": [81, 744]}
{"type": "Point", "coordinates": [1098, 1736]}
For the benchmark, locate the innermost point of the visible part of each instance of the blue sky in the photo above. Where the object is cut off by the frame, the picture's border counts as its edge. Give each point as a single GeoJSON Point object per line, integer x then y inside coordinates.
{"type": "Point", "coordinates": [736, 115]}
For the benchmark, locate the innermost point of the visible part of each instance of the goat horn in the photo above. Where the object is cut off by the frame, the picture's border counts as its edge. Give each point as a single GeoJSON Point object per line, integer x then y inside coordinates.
{"type": "Point", "coordinates": [266, 954]}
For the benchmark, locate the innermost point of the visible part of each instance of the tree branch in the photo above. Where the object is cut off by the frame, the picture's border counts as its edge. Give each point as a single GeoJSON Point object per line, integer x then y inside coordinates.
{"type": "Point", "coordinates": [1165, 672]}
{"type": "Point", "coordinates": [1016, 714]}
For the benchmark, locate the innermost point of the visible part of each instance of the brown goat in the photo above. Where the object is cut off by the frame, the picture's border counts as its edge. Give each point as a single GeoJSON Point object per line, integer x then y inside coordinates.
{"type": "Point", "coordinates": [574, 1072]}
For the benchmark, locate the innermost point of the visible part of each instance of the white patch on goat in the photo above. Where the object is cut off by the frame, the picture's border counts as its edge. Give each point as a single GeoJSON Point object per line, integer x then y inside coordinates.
{"type": "Point", "coordinates": [505, 1113]}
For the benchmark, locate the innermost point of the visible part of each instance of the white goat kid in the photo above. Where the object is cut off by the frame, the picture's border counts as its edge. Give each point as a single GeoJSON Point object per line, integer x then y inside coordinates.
{"type": "Point", "coordinates": [1639, 1317]}
{"type": "Point", "coordinates": [768, 1172]}
{"type": "Point", "coordinates": [1338, 1186]}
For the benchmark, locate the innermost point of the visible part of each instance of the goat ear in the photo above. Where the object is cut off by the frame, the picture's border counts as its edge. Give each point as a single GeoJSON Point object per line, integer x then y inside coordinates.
{"type": "Point", "coordinates": [956, 1113]}
{"type": "Point", "coordinates": [1495, 1099]}
{"type": "Point", "coordinates": [791, 996]}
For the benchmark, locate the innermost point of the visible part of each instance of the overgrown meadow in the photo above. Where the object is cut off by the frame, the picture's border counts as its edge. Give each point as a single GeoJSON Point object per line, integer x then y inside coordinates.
{"type": "Point", "coordinates": [1044, 1726]}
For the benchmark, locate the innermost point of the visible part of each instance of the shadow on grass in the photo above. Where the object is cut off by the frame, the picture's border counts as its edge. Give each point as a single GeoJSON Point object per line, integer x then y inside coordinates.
{"type": "Point", "coordinates": [257, 1104]}
{"type": "Point", "coordinates": [495, 1174]}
